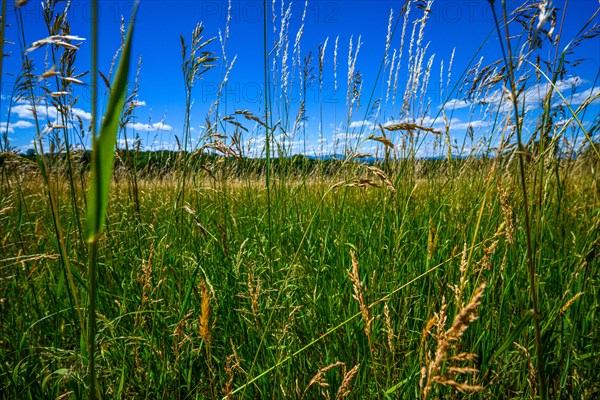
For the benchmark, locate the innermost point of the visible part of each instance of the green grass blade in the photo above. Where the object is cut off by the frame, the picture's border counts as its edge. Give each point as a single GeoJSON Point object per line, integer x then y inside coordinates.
{"type": "Point", "coordinates": [514, 334]}
{"type": "Point", "coordinates": [103, 151]}
{"type": "Point", "coordinates": [104, 145]}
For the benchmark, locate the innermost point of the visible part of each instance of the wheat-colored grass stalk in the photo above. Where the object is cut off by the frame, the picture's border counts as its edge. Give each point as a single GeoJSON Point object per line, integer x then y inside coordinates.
{"type": "Point", "coordinates": [231, 366]}
{"type": "Point", "coordinates": [507, 213]}
{"type": "Point", "coordinates": [446, 341]}
{"type": "Point", "coordinates": [466, 315]}
{"type": "Point", "coordinates": [297, 61]}
{"type": "Point", "coordinates": [345, 387]}
{"type": "Point", "coordinates": [532, 377]}
{"type": "Point", "coordinates": [459, 289]}
{"type": "Point", "coordinates": [383, 177]}
{"type": "Point", "coordinates": [359, 295]}
{"type": "Point", "coordinates": [146, 277]}
{"type": "Point", "coordinates": [205, 313]}
{"type": "Point", "coordinates": [390, 80]}
{"type": "Point", "coordinates": [570, 302]}
{"type": "Point", "coordinates": [319, 377]}
{"type": "Point", "coordinates": [489, 247]}
{"type": "Point", "coordinates": [389, 328]}
{"type": "Point", "coordinates": [181, 338]}
{"type": "Point", "coordinates": [460, 386]}
{"type": "Point", "coordinates": [432, 240]}
{"type": "Point", "coordinates": [204, 328]}
{"type": "Point", "coordinates": [335, 57]}
{"type": "Point", "coordinates": [254, 290]}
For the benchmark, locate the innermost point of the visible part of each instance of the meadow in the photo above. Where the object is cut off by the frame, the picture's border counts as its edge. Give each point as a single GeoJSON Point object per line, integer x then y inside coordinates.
{"type": "Point", "coordinates": [207, 273]}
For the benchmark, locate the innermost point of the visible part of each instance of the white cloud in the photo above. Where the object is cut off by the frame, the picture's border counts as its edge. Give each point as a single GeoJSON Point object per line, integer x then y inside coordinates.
{"type": "Point", "coordinates": [22, 124]}
{"type": "Point", "coordinates": [50, 112]}
{"type": "Point", "coordinates": [157, 126]}
{"type": "Point", "coordinates": [532, 96]}
{"type": "Point", "coordinates": [579, 98]}
{"type": "Point", "coordinates": [26, 147]}
{"type": "Point", "coordinates": [16, 125]}
{"type": "Point", "coordinates": [157, 145]}
{"type": "Point", "coordinates": [360, 124]}
{"type": "Point", "coordinates": [84, 115]}
{"type": "Point", "coordinates": [457, 124]}
{"type": "Point", "coordinates": [456, 104]}
{"type": "Point", "coordinates": [129, 142]}
{"type": "Point", "coordinates": [565, 84]}
{"type": "Point", "coordinates": [345, 136]}
{"type": "Point", "coordinates": [161, 126]}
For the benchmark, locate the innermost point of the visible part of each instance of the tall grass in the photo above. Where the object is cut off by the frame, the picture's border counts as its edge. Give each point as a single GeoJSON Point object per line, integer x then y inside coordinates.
{"type": "Point", "coordinates": [282, 276]}
{"type": "Point", "coordinates": [103, 151]}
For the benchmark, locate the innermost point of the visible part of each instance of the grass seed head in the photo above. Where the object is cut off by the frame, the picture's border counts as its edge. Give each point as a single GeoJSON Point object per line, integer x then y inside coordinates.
{"type": "Point", "coordinates": [359, 295]}
{"type": "Point", "coordinates": [345, 387]}
{"type": "Point", "coordinates": [205, 311]}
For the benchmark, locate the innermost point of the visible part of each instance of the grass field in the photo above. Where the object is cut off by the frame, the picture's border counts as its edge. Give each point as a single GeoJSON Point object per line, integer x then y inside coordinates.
{"type": "Point", "coordinates": [202, 300]}
{"type": "Point", "coordinates": [281, 277]}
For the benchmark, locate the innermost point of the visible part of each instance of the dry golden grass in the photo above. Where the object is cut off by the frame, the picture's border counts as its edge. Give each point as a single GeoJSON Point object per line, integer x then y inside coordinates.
{"type": "Point", "coordinates": [389, 328]}
{"type": "Point", "coordinates": [319, 378]}
{"type": "Point", "coordinates": [436, 371]}
{"type": "Point", "coordinates": [205, 312]}
{"type": "Point", "coordinates": [345, 387]}
{"type": "Point", "coordinates": [359, 295]}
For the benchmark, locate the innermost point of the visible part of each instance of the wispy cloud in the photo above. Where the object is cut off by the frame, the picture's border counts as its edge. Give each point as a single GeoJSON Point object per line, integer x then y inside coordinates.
{"type": "Point", "coordinates": [532, 96]}
{"type": "Point", "coordinates": [155, 127]}
{"type": "Point", "coordinates": [49, 112]}
{"type": "Point", "coordinates": [457, 124]}
{"type": "Point", "coordinates": [580, 97]}
{"type": "Point", "coordinates": [361, 124]}
{"type": "Point", "coordinates": [10, 127]}
{"type": "Point", "coordinates": [456, 104]}
{"type": "Point", "coordinates": [129, 142]}
{"type": "Point", "coordinates": [157, 145]}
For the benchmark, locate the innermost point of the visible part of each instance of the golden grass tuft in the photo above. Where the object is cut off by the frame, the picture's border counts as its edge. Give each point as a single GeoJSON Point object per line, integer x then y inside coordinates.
{"type": "Point", "coordinates": [447, 342]}
{"type": "Point", "coordinates": [389, 328]}
{"type": "Point", "coordinates": [181, 338]}
{"type": "Point", "coordinates": [532, 377]}
{"type": "Point", "coordinates": [359, 295]}
{"type": "Point", "coordinates": [458, 290]}
{"type": "Point", "coordinates": [570, 302]}
{"type": "Point", "coordinates": [146, 277]}
{"type": "Point", "coordinates": [319, 377]}
{"type": "Point", "coordinates": [231, 365]}
{"type": "Point", "coordinates": [254, 292]}
{"type": "Point", "coordinates": [345, 387]}
{"type": "Point", "coordinates": [507, 213]}
{"type": "Point", "coordinates": [381, 175]}
{"type": "Point", "coordinates": [205, 311]}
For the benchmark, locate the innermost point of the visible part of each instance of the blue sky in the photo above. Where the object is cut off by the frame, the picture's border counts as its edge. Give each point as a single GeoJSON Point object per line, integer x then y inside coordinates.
{"type": "Point", "coordinates": [463, 27]}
